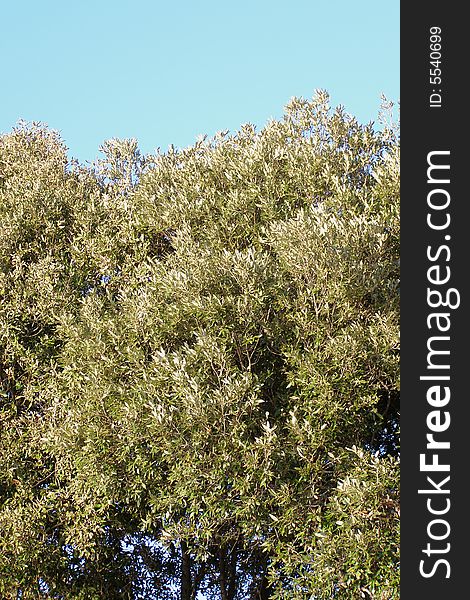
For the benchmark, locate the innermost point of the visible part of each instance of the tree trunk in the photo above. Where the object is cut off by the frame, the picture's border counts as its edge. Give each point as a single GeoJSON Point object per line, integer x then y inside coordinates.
{"type": "Point", "coordinates": [186, 583]}
{"type": "Point", "coordinates": [223, 574]}
{"type": "Point", "coordinates": [265, 589]}
{"type": "Point", "coordinates": [198, 578]}
{"type": "Point", "coordinates": [232, 576]}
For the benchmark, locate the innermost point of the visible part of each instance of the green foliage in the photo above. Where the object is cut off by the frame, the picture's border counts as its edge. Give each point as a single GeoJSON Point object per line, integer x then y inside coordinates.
{"type": "Point", "coordinates": [199, 364]}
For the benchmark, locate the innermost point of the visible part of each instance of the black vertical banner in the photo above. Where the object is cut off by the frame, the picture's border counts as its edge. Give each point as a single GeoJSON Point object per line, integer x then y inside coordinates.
{"type": "Point", "coordinates": [435, 242]}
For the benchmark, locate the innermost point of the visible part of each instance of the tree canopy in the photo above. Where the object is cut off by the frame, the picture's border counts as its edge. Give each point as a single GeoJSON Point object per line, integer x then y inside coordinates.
{"type": "Point", "coordinates": [199, 370]}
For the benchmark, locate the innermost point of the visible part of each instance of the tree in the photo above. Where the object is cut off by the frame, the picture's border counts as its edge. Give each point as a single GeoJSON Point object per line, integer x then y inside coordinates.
{"type": "Point", "coordinates": [200, 365]}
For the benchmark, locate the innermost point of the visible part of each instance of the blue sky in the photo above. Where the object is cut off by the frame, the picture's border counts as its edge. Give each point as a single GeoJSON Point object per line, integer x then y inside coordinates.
{"type": "Point", "coordinates": [165, 72]}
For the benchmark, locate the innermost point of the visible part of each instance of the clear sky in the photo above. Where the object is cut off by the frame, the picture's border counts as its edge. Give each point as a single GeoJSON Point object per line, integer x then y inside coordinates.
{"type": "Point", "coordinates": [164, 72]}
